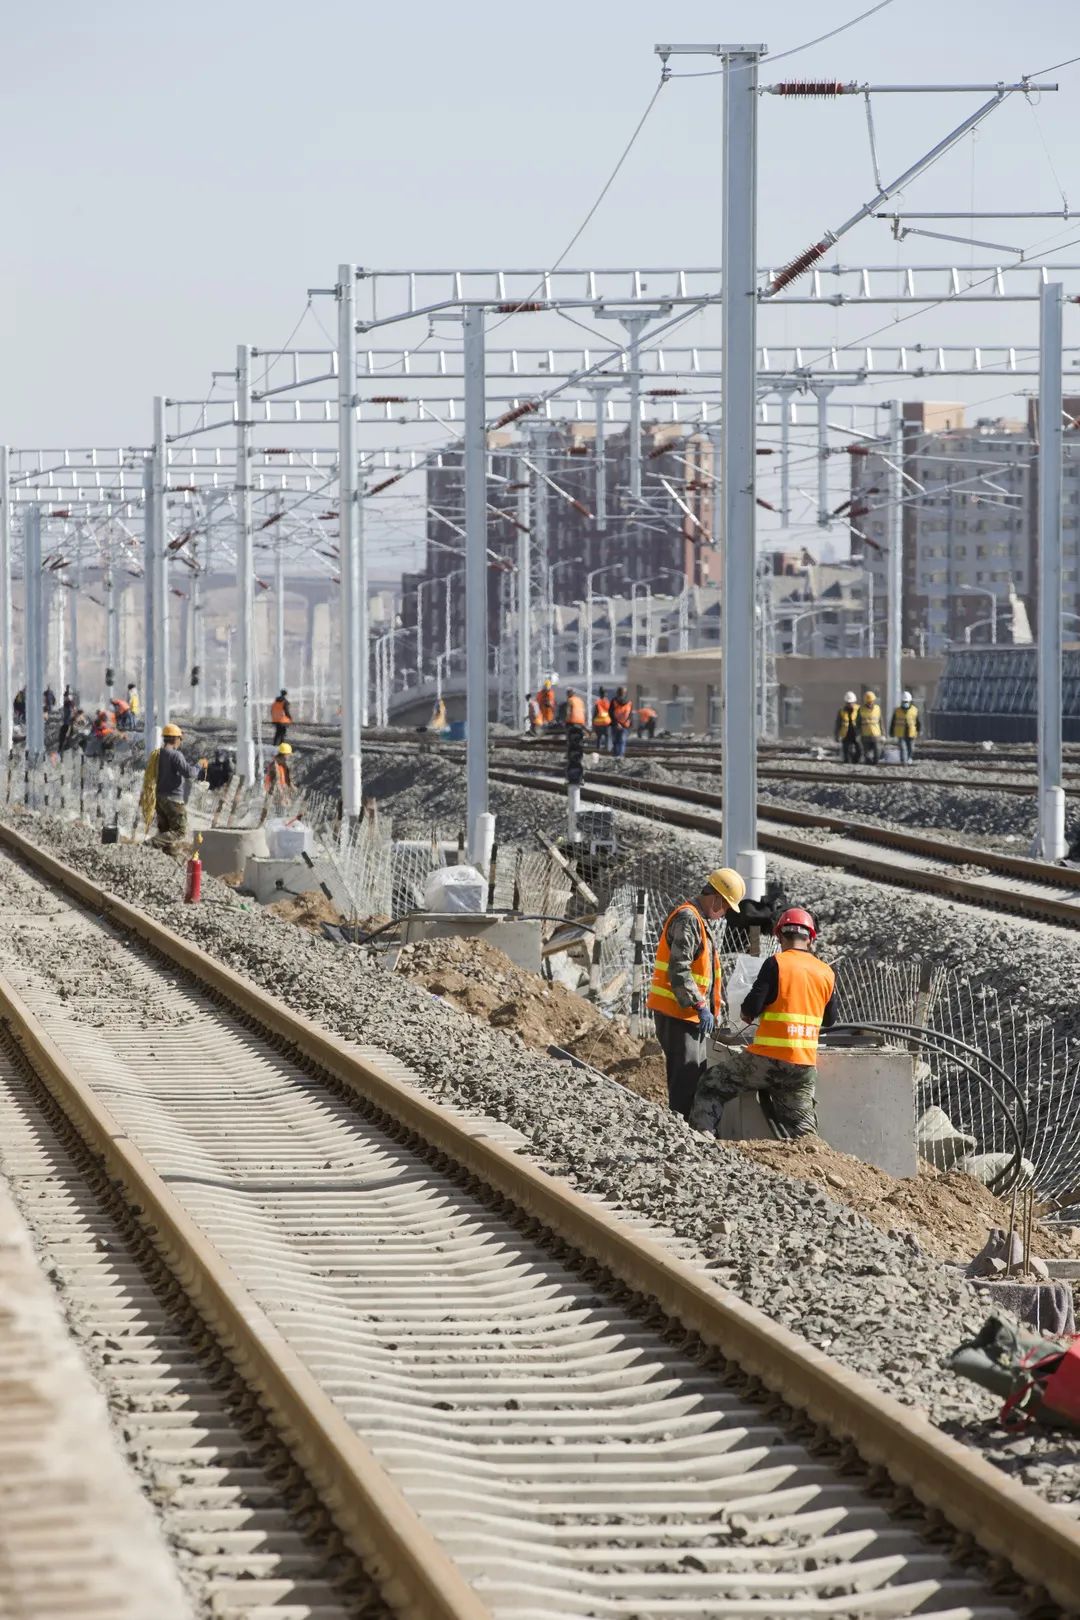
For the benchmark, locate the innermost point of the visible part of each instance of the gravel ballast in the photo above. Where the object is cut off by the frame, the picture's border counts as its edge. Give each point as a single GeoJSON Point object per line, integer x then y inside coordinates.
{"type": "Point", "coordinates": [873, 1301]}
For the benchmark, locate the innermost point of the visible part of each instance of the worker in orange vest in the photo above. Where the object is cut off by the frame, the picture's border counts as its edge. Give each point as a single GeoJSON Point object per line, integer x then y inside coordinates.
{"type": "Point", "coordinates": [646, 723]}
{"type": "Point", "coordinates": [601, 721]}
{"type": "Point", "coordinates": [622, 717]}
{"type": "Point", "coordinates": [575, 709]}
{"type": "Point", "coordinates": [281, 717]}
{"type": "Point", "coordinates": [546, 700]}
{"type": "Point", "coordinates": [278, 774]}
{"type": "Point", "coordinates": [684, 997]}
{"type": "Point", "coordinates": [104, 726]}
{"type": "Point", "coordinates": [792, 1000]}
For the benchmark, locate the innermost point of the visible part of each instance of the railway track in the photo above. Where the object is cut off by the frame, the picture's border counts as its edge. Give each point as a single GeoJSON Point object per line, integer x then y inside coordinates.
{"type": "Point", "coordinates": [699, 763]}
{"type": "Point", "coordinates": [509, 1402]}
{"type": "Point", "coordinates": [942, 866]}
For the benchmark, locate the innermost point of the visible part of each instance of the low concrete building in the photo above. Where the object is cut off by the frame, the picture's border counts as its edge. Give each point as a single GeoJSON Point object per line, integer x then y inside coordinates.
{"type": "Point", "coordinates": [685, 688]}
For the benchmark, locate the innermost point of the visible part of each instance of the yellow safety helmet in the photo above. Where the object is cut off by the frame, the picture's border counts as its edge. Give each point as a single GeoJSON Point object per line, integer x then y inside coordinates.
{"type": "Point", "coordinates": [171, 731]}
{"type": "Point", "coordinates": [728, 885]}
{"type": "Point", "coordinates": [284, 748]}
{"type": "Point", "coordinates": [869, 697]}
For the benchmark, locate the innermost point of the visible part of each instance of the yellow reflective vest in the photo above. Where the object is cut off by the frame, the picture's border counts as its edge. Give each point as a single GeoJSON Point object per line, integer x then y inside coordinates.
{"type": "Point", "coordinates": [869, 720]}
{"type": "Point", "coordinates": [905, 721]}
{"type": "Point", "coordinates": [846, 720]}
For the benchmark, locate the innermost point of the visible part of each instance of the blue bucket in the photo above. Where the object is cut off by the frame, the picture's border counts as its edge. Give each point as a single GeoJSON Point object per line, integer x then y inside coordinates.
{"type": "Point", "coordinates": [455, 731]}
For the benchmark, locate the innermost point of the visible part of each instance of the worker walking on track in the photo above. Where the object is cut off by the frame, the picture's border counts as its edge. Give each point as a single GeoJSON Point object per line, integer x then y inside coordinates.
{"type": "Point", "coordinates": [793, 996]}
{"type": "Point", "coordinates": [278, 771]}
{"type": "Point", "coordinates": [905, 727]}
{"type": "Point", "coordinates": [622, 716]}
{"type": "Point", "coordinates": [546, 700]}
{"type": "Point", "coordinates": [601, 722]}
{"type": "Point", "coordinates": [281, 716]}
{"type": "Point", "coordinates": [847, 729]}
{"type": "Point", "coordinates": [167, 782]}
{"type": "Point", "coordinates": [574, 714]}
{"type": "Point", "coordinates": [684, 997]}
{"type": "Point", "coordinates": [870, 728]}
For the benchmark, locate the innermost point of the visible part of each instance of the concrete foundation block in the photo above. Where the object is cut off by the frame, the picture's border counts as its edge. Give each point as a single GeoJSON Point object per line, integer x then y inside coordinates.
{"type": "Point", "coordinates": [225, 849]}
{"type": "Point", "coordinates": [516, 938]}
{"type": "Point", "coordinates": [268, 879]}
{"type": "Point", "coordinates": [865, 1107]}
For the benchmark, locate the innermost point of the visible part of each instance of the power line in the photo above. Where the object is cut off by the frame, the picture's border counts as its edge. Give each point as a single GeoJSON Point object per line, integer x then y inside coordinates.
{"type": "Point", "coordinates": [712, 73]}
{"type": "Point", "coordinates": [608, 183]}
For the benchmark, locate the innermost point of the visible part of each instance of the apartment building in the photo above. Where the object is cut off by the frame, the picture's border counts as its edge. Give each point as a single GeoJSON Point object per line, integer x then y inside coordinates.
{"type": "Point", "coordinates": [969, 525]}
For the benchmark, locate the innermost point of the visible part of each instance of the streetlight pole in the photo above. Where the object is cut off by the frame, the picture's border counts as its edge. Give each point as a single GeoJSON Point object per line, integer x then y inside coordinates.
{"type": "Point", "coordinates": [737, 433]}
{"type": "Point", "coordinates": [1050, 833]}
{"type": "Point", "coordinates": [354, 619]}
{"type": "Point", "coordinates": [524, 596]}
{"type": "Point", "coordinates": [279, 604]}
{"type": "Point", "coordinates": [160, 464]}
{"type": "Point", "coordinates": [894, 628]}
{"type": "Point", "coordinates": [152, 720]}
{"type": "Point", "coordinates": [245, 663]}
{"type": "Point", "coordinates": [476, 596]}
{"type": "Point", "coordinates": [6, 649]}
{"type": "Point", "coordinates": [34, 634]}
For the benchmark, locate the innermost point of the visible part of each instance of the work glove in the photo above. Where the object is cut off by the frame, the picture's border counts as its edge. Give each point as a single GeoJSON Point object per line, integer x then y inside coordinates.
{"type": "Point", "coordinates": [706, 1021]}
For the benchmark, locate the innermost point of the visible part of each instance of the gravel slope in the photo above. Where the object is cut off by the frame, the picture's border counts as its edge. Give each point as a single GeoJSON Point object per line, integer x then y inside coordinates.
{"type": "Point", "coordinates": [872, 1300]}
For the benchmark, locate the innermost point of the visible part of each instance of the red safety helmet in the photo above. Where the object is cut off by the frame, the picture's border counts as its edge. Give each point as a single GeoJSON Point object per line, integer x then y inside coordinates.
{"type": "Point", "coordinates": [795, 918]}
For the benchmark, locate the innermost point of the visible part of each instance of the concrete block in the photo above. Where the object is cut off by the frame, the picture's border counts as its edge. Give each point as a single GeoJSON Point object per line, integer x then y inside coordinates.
{"type": "Point", "coordinates": [516, 938]}
{"type": "Point", "coordinates": [225, 849]}
{"type": "Point", "coordinates": [268, 879]}
{"type": "Point", "coordinates": [865, 1107]}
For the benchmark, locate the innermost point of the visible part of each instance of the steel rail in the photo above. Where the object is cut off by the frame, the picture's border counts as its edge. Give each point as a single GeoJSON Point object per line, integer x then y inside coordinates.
{"type": "Point", "coordinates": [951, 885]}
{"type": "Point", "coordinates": [1039, 1542]}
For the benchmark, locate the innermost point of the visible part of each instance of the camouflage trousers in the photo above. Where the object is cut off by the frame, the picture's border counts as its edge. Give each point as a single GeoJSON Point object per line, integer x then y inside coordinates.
{"type": "Point", "coordinates": [787, 1091]}
{"type": "Point", "coordinates": [171, 825]}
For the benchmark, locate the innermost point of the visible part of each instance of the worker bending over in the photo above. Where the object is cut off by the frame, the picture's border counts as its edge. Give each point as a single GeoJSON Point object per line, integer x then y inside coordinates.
{"type": "Point", "coordinates": [847, 729]}
{"type": "Point", "coordinates": [281, 716]}
{"type": "Point", "coordinates": [906, 727]}
{"type": "Point", "coordinates": [601, 722]}
{"type": "Point", "coordinates": [622, 715]}
{"type": "Point", "coordinates": [166, 784]}
{"type": "Point", "coordinates": [646, 723]}
{"type": "Point", "coordinates": [793, 996]}
{"type": "Point", "coordinates": [870, 728]}
{"type": "Point", "coordinates": [684, 996]}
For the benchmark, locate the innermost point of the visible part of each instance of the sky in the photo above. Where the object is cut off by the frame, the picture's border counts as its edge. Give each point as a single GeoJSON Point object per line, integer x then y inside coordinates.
{"type": "Point", "coordinates": [179, 176]}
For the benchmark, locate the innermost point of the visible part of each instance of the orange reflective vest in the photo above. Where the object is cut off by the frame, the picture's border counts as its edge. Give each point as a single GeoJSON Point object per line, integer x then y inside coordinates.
{"type": "Point", "coordinates": [575, 711]}
{"type": "Point", "coordinates": [705, 971]}
{"type": "Point", "coordinates": [789, 1028]}
{"type": "Point", "coordinates": [622, 713]}
{"type": "Point", "coordinates": [601, 713]}
{"type": "Point", "coordinates": [277, 713]}
{"type": "Point", "coordinates": [546, 699]}
{"type": "Point", "coordinates": [645, 715]}
{"type": "Point", "coordinates": [277, 775]}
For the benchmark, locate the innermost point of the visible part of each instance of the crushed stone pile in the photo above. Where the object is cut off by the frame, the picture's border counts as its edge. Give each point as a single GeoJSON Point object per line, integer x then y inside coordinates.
{"type": "Point", "coordinates": [876, 1302]}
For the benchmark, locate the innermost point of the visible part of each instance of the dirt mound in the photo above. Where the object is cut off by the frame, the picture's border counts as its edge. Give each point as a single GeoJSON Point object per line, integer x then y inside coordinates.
{"type": "Point", "coordinates": [948, 1212]}
{"type": "Point", "coordinates": [482, 981]}
{"type": "Point", "coordinates": [308, 910]}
